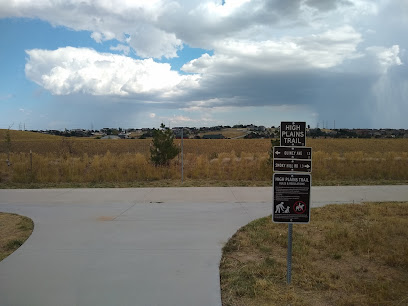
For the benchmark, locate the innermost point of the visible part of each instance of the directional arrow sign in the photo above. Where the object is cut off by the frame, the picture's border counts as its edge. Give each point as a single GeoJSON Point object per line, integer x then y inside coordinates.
{"type": "Point", "coordinates": [292, 165]}
{"type": "Point", "coordinates": [292, 152]}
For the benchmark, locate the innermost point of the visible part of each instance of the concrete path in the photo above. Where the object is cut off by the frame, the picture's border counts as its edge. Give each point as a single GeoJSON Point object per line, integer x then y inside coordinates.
{"type": "Point", "coordinates": [144, 246]}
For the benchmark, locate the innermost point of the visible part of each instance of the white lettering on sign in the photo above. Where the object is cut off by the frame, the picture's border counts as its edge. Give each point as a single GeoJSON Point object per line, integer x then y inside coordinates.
{"type": "Point", "coordinates": [292, 140]}
{"type": "Point", "coordinates": [293, 127]}
{"type": "Point", "coordinates": [292, 134]}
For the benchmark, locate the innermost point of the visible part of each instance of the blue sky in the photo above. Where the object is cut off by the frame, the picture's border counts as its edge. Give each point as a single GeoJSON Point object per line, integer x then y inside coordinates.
{"type": "Point", "coordinates": [83, 64]}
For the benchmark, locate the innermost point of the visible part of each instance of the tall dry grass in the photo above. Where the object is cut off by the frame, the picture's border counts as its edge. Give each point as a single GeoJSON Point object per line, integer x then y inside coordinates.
{"type": "Point", "coordinates": [82, 160]}
{"type": "Point", "coordinates": [23, 142]}
{"type": "Point", "coordinates": [349, 167]}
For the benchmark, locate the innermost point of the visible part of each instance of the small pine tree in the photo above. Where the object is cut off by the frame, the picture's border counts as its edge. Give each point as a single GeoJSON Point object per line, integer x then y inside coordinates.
{"type": "Point", "coordinates": [163, 150]}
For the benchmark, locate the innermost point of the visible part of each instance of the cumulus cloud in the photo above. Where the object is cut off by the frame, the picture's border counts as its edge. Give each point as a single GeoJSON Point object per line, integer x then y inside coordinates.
{"type": "Point", "coordinates": [323, 50]}
{"type": "Point", "coordinates": [81, 70]}
{"type": "Point", "coordinates": [121, 48]}
{"type": "Point", "coordinates": [386, 57]}
{"type": "Point", "coordinates": [158, 28]}
{"type": "Point", "coordinates": [106, 20]}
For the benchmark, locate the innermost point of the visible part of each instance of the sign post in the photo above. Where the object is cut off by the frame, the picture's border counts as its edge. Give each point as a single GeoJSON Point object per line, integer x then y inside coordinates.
{"type": "Point", "coordinates": [289, 257]}
{"type": "Point", "coordinates": [292, 164]}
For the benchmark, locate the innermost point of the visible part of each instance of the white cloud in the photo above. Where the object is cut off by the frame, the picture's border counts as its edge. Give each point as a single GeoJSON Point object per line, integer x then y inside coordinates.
{"type": "Point", "coordinates": [121, 48]}
{"type": "Point", "coordinates": [386, 57]}
{"type": "Point", "coordinates": [323, 50]}
{"type": "Point", "coordinates": [180, 119]}
{"type": "Point", "coordinates": [80, 70]}
{"type": "Point", "coordinates": [184, 120]}
{"type": "Point", "coordinates": [148, 41]}
{"type": "Point", "coordinates": [157, 28]}
{"type": "Point", "coordinates": [106, 20]}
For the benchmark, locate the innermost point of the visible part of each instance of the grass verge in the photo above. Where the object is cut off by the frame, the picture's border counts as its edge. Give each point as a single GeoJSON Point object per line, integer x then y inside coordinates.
{"type": "Point", "coordinates": [14, 231]}
{"type": "Point", "coordinates": [347, 255]}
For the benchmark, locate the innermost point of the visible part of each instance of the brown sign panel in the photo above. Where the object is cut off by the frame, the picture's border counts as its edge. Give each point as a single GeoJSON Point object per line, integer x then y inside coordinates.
{"type": "Point", "coordinates": [291, 198]}
{"type": "Point", "coordinates": [292, 152]}
{"type": "Point", "coordinates": [293, 134]}
{"type": "Point", "coordinates": [292, 165]}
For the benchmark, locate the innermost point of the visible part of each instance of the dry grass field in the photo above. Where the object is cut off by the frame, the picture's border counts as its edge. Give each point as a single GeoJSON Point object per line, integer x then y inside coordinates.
{"type": "Point", "coordinates": [59, 160]}
{"type": "Point", "coordinates": [348, 255]}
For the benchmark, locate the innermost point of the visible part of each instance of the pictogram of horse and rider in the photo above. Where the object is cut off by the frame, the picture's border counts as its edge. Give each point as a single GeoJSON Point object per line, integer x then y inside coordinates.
{"type": "Point", "coordinates": [299, 208]}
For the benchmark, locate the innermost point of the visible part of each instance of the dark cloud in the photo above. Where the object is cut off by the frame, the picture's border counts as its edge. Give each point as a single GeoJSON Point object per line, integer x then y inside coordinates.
{"type": "Point", "coordinates": [327, 5]}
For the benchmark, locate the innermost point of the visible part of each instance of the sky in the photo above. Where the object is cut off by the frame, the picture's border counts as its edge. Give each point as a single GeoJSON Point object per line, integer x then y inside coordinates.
{"type": "Point", "coordinates": [134, 63]}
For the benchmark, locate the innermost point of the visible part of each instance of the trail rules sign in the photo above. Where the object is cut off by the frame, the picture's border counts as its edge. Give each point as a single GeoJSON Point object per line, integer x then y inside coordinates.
{"type": "Point", "coordinates": [291, 198]}
{"type": "Point", "coordinates": [293, 134]}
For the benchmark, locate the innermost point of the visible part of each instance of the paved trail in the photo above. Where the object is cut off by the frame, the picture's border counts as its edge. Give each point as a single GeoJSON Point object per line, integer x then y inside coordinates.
{"type": "Point", "coordinates": [144, 246]}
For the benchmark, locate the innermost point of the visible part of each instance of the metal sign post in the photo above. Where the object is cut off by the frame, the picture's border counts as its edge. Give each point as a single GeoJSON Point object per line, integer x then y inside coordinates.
{"type": "Point", "coordinates": [289, 258]}
{"type": "Point", "coordinates": [182, 157]}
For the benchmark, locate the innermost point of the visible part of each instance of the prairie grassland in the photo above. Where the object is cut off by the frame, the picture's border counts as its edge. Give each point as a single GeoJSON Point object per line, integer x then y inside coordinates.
{"type": "Point", "coordinates": [348, 255]}
{"type": "Point", "coordinates": [58, 160]}
{"type": "Point", "coordinates": [23, 142]}
{"type": "Point", "coordinates": [349, 168]}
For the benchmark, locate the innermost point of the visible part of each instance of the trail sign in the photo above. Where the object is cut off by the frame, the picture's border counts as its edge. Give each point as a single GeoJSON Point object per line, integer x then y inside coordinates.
{"type": "Point", "coordinates": [292, 152]}
{"type": "Point", "coordinates": [292, 165]}
{"type": "Point", "coordinates": [293, 134]}
{"type": "Point", "coordinates": [291, 198]}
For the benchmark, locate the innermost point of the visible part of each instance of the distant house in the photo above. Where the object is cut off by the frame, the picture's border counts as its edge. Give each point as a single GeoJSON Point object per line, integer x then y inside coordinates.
{"type": "Point", "coordinates": [123, 136]}
{"type": "Point", "coordinates": [110, 137]}
{"type": "Point", "coordinates": [257, 128]}
{"type": "Point", "coordinates": [215, 136]}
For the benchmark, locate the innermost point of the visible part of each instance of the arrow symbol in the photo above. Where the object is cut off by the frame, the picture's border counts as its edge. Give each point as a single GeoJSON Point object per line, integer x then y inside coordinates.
{"type": "Point", "coordinates": [277, 152]}
{"type": "Point", "coordinates": [307, 166]}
